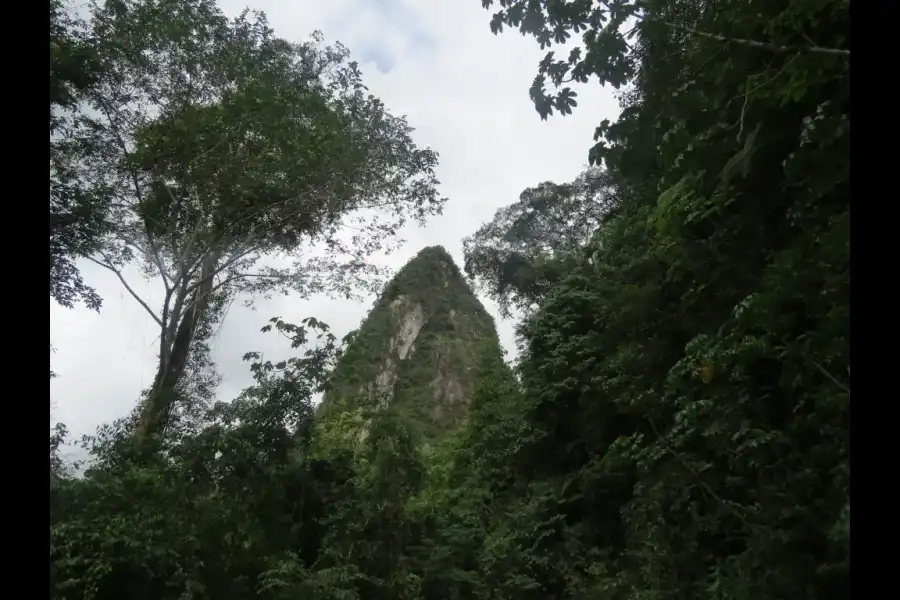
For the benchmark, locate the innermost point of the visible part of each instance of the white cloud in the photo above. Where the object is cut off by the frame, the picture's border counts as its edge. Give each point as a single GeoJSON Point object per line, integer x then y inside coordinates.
{"type": "Point", "coordinates": [466, 93]}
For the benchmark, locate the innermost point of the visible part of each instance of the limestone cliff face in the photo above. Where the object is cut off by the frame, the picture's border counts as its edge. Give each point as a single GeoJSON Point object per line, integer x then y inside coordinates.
{"type": "Point", "coordinates": [418, 351]}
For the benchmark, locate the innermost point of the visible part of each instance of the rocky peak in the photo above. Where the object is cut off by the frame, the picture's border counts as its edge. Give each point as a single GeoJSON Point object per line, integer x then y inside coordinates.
{"type": "Point", "coordinates": [418, 351]}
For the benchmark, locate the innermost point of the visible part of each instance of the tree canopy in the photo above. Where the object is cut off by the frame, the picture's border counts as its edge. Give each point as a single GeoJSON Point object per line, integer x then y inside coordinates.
{"type": "Point", "coordinates": [228, 153]}
{"type": "Point", "coordinates": [519, 255]}
{"type": "Point", "coordinates": [77, 215]}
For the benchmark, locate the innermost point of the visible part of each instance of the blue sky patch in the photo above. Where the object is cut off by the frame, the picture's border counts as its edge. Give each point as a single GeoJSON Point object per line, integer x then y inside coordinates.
{"type": "Point", "coordinates": [401, 23]}
{"type": "Point", "coordinates": [372, 51]}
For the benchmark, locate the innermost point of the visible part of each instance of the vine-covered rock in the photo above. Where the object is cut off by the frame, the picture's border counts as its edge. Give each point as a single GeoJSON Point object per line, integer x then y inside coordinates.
{"type": "Point", "coordinates": [418, 352]}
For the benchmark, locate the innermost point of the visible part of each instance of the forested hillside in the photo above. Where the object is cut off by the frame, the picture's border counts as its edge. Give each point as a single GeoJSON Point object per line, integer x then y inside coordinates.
{"type": "Point", "coordinates": [678, 426]}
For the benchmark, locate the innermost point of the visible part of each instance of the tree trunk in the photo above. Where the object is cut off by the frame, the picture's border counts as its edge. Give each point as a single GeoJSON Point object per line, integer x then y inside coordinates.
{"type": "Point", "coordinates": [157, 408]}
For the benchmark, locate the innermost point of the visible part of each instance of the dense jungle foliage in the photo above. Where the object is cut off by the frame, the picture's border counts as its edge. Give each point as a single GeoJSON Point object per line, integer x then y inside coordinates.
{"type": "Point", "coordinates": [679, 422]}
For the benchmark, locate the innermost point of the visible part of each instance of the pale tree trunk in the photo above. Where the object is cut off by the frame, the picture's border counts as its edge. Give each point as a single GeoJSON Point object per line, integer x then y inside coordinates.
{"type": "Point", "coordinates": [177, 336]}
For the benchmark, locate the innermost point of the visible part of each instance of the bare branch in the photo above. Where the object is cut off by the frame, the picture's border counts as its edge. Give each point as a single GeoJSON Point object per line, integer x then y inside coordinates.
{"type": "Point", "coordinates": [831, 377]}
{"type": "Point", "coordinates": [154, 253]}
{"type": "Point", "coordinates": [148, 255]}
{"type": "Point", "coordinates": [239, 276]}
{"type": "Point", "coordinates": [224, 266]}
{"type": "Point", "coordinates": [108, 265]}
{"type": "Point", "coordinates": [756, 43]}
{"type": "Point", "coordinates": [174, 316]}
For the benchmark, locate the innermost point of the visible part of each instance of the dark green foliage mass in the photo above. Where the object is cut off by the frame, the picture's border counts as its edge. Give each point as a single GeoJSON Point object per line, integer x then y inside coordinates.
{"type": "Point", "coordinates": [678, 426]}
{"type": "Point", "coordinates": [687, 382]}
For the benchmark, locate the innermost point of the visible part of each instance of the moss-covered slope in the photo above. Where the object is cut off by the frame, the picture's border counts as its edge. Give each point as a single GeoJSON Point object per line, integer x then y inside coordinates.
{"type": "Point", "coordinates": [418, 351]}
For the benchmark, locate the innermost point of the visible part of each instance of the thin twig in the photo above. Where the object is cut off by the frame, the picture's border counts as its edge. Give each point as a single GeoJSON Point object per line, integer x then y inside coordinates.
{"type": "Point", "coordinates": [698, 477]}
{"type": "Point", "coordinates": [756, 43]}
{"type": "Point", "coordinates": [831, 377]}
{"type": "Point", "coordinates": [746, 95]}
{"type": "Point", "coordinates": [239, 276]}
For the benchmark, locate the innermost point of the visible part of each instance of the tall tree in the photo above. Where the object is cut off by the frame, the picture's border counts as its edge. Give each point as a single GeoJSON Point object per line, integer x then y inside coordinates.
{"type": "Point", "coordinates": [229, 153]}
{"type": "Point", "coordinates": [519, 255]}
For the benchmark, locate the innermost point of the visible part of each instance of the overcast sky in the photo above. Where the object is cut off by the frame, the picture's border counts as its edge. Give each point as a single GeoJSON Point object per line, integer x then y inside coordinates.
{"type": "Point", "coordinates": [464, 90]}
